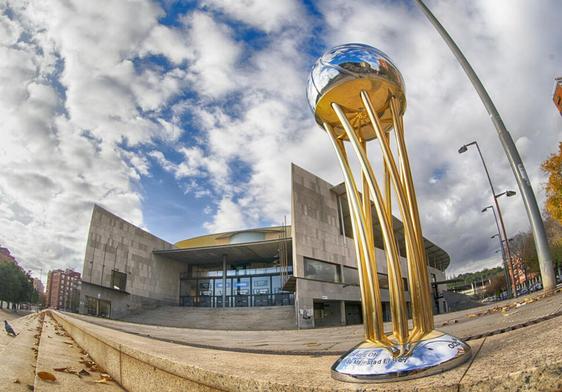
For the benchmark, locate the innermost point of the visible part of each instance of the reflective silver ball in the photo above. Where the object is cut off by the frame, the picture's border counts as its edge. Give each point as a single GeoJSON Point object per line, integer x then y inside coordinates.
{"type": "Point", "coordinates": [343, 71]}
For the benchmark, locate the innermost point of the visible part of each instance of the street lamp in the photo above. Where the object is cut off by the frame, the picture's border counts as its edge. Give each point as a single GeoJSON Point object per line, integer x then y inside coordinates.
{"type": "Point", "coordinates": [507, 193]}
{"type": "Point", "coordinates": [523, 182]}
{"type": "Point", "coordinates": [506, 262]}
{"type": "Point", "coordinates": [499, 218]}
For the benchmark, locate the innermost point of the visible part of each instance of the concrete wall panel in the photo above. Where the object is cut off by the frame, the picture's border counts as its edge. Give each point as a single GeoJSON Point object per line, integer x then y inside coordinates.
{"type": "Point", "coordinates": [115, 244]}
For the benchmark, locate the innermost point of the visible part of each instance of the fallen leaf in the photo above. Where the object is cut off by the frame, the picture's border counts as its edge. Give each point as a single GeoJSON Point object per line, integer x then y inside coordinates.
{"type": "Point", "coordinates": [84, 372]}
{"type": "Point", "coordinates": [46, 376]}
{"type": "Point", "coordinates": [104, 378]}
{"type": "Point", "coordinates": [63, 369]}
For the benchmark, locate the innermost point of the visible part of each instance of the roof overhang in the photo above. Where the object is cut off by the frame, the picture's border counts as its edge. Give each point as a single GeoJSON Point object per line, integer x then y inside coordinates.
{"type": "Point", "coordinates": [259, 251]}
{"type": "Point", "coordinates": [436, 257]}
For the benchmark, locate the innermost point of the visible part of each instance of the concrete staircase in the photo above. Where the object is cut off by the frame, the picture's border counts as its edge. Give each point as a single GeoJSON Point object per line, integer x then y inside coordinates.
{"type": "Point", "coordinates": [247, 319]}
{"type": "Point", "coordinates": [56, 343]}
{"type": "Point", "coordinates": [43, 357]}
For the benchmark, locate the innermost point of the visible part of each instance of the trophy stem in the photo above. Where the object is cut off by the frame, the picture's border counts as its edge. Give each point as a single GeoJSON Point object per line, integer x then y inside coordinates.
{"type": "Point", "coordinates": [420, 312]}
{"type": "Point", "coordinates": [408, 185]}
{"type": "Point", "coordinates": [372, 305]}
{"type": "Point", "coordinates": [396, 285]}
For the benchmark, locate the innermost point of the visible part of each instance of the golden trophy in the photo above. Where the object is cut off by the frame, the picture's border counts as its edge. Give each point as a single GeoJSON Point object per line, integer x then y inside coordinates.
{"type": "Point", "coordinates": [357, 95]}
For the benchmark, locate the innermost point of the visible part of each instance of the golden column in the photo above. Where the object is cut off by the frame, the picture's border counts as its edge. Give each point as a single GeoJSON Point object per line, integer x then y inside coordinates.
{"type": "Point", "coordinates": [357, 95]}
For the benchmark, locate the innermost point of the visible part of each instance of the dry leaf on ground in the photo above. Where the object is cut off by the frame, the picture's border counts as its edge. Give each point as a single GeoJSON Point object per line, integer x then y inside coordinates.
{"type": "Point", "coordinates": [104, 378]}
{"type": "Point", "coordinates": [46, 376]}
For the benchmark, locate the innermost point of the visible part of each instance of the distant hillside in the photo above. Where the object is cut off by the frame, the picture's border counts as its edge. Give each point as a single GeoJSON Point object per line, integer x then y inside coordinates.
{"type": "Point", "coordinates": [478, 276]}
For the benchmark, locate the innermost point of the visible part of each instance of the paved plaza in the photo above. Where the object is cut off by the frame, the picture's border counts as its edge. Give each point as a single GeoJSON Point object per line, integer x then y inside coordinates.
{"type": "Point", "coordinates": [525, 358]}
{"type": "Point", "coordinates": [467, 324]}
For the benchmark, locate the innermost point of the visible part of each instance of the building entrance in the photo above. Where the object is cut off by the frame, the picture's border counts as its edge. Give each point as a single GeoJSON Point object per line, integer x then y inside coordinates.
{"type": "Point", "coordinates": [98, 307]}
{"type": "Point", "coordinates": [327, 313]}
{"type": "Point", "coordinates": [353, 314]}
{"type": "Point", "coordinates": [245, 285]}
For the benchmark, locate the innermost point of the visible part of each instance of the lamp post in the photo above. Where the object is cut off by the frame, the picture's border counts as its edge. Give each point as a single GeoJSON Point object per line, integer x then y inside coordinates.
{"type": "Point", "coordinates": [499, 217]}
{"type": "Point", "coordinates": [506, 265]}
{"type": "Point", "coordinates": [531, 206]}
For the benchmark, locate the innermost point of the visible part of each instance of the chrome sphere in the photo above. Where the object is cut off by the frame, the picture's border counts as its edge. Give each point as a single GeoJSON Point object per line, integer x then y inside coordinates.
{"type": "Point", "coordinates": [341, 74]}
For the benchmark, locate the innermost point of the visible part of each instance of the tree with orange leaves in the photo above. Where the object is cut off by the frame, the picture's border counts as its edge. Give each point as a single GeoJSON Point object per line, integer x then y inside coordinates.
{"type": "Point", "coordinates": [553, 167]}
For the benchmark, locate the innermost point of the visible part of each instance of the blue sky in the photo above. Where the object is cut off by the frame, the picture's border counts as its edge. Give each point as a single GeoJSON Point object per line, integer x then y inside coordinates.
{"type": "Point", "coordinates": [184, 116]}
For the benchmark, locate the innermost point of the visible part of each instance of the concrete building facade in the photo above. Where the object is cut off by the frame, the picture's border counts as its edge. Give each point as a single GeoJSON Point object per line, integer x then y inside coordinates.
{"type": "Point", "coordinates": [308, 266]}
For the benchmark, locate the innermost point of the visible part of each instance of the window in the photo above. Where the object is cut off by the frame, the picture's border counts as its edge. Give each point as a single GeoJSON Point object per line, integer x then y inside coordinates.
{"type": "Point", "coordinates": [118, 280]}
{"type": "Point", "coordinates": [350, 275]}
{"type": "Point", "coordinates": [91, 306]}
{"type": "Point", "coordinates": [383, 282]}
{"type": "Point", "coordinates": [320, 270]}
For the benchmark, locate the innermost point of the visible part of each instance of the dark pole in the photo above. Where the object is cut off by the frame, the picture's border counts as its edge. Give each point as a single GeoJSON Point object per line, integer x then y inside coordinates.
{"type": "Point", "coordinates": [224, 281]}
{"type": "Point", "coordinates": [531, 206]}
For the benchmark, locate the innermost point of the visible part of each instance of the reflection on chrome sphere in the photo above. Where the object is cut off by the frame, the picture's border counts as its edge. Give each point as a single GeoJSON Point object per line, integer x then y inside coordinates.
{"type": "Point", "coordinates": [342, 73]}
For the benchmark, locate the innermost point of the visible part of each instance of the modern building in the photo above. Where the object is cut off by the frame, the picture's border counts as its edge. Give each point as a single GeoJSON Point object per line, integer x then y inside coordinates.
{"type": "Point", "coordinates": [63, 290]}
{"type": "Point", "coordinates": [308, 266]}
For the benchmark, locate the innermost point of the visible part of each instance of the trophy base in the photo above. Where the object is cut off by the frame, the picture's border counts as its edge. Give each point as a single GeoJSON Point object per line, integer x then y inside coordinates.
{"type": "Point", "coordinates": [369, 362]}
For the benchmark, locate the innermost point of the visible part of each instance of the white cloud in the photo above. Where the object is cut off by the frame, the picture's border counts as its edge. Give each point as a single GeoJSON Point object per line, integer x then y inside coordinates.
{"type": "Point", "coordinates": [72, 107]}
{"type": "Point", "coordinates": [272, 126]}
{"type": "Point", "coordinates": [215, 55]}
{"type": "Point", "coordinates": [229, 216]}
{"type": "Point", "coordinates": [80, 103]}
{"type": "Point", "coordinates": [269, 16]}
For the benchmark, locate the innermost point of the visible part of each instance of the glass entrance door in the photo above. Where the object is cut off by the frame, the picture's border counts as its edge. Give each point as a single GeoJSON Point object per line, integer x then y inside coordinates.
{"type": "Point", "coordinates": [219, 290]}
{"type": "Point", "coordinates": [261, 288]}
{"type": "Point", "coordinates": [241, 291]}
{"type": "Point", "coordinates": [246, 285]}
{"type": "Point", "coordinates": [205, 292]}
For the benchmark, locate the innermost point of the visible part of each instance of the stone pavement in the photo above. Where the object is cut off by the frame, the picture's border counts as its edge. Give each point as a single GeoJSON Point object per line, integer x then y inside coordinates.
{"type": "Point", "coordinates": [59, 355]}
{"type": "Point", "coordinates": [10, 315]}
{"type": "Point", "coordinates": [470, 323]}
{"type": "Point", "coordinates": [42, 357]}
{"type": "Point", "coordinates": [527, 359]}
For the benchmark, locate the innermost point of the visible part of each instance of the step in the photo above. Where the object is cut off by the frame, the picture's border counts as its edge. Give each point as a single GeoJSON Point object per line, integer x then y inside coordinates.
{"type": "Point", "coordinates": [251, 318]}
{"type": "Point", "coordinates": [511, 361]}
{"type": "Point", "coordinates": [18, 325]}
{"type": "Point", "coordinates": [17, 367]}
{"type": "Point", "coordinates": [57, 350]}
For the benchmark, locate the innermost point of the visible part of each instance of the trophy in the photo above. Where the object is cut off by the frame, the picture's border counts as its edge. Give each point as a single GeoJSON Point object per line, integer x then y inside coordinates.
{"type": "Point", "coordinates": [357, 95]}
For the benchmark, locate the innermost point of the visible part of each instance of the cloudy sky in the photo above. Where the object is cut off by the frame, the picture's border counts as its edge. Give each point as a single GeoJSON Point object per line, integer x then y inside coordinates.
{"type": "Point", "coordinates": [184, 116]}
